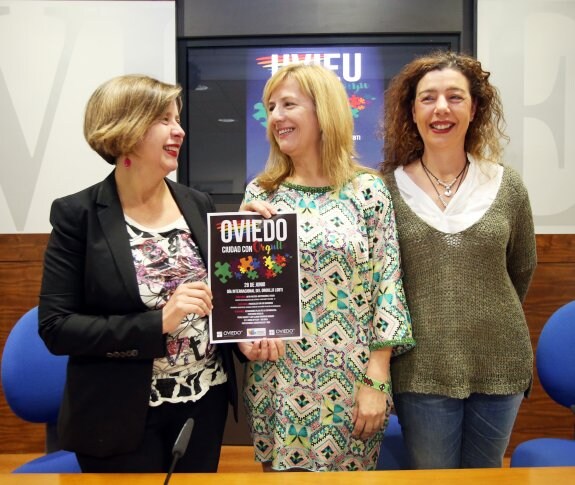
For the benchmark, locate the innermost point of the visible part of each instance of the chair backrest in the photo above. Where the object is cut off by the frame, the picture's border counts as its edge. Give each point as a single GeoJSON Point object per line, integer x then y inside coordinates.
{"type": "Point", "coordinates": [32, 378]}
{"type": "Point", "coordinates": [555, 356]}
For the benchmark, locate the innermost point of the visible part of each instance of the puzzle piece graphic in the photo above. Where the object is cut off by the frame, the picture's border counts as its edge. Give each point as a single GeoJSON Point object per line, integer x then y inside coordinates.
{"type": "Point", "coordinates": [223, 272]}
{"type": "Point", "coordinates": [253, 275]}
{"type": "Point", "coordinates": [246, 264]}
{"type": "Point", "coordinates": [260, 114]}
{"type": "Point", "coordinates": [268, 262]}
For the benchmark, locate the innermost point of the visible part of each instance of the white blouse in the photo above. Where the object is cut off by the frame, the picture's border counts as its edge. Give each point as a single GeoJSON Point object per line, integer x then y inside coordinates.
{"type": "Point", "coordinates": [472, 199]}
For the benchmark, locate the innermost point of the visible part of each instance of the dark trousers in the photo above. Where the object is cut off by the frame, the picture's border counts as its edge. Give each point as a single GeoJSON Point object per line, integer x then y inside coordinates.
{"type": "Point", "coordinates": [163, 424]}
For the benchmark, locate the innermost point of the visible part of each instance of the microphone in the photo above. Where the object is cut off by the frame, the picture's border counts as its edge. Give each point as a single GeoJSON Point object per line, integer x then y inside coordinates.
{"type": "Point", "coordinates": [180, 445]}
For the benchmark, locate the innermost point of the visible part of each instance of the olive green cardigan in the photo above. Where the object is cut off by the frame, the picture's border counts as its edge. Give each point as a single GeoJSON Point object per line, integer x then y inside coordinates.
{"type": "Point", "coordinates": [465, 294]}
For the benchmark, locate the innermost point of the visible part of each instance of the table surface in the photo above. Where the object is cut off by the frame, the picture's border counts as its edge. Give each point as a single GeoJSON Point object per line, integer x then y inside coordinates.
{"type": "Point", "coordinates": [492, 476]}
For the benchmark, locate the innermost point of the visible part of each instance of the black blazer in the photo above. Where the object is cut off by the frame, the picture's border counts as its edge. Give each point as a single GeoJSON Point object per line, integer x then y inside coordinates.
{"type": "Point", "coordinates": [90, 309]}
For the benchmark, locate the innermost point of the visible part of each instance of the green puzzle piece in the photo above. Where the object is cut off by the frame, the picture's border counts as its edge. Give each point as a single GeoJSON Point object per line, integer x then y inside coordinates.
{"type": "Point", "coordinates": [223, 272]}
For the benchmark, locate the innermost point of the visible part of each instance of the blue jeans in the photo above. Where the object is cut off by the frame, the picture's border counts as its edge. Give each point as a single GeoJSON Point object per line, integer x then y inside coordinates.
{"type": "Point", "coordinates": [443, 432]}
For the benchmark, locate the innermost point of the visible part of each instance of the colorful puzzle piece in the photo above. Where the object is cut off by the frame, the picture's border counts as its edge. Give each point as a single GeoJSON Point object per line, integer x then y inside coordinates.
{"type": "Point", "coordinates": [223, 272]}
{"type": "Point", "coordinates": [253, 275]}
{"type": "Point", "coordinates": [246, 264]}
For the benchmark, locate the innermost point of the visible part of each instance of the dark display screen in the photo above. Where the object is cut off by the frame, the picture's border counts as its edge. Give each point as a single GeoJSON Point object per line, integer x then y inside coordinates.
{"type": "Point", "coordinates": [224, 117]}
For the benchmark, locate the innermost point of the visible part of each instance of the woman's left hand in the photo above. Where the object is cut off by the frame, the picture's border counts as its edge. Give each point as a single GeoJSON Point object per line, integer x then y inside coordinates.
{"type": "Point", "coordinates": [262, 207]}
{"type": "Point", "coordinates": [264, 349]}
{"type": "Point", "coordinates": [368, 414]}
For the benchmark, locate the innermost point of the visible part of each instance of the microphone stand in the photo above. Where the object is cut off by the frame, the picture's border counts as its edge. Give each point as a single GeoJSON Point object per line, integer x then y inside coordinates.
{"type": "Point", "coordinates": [180, 445]}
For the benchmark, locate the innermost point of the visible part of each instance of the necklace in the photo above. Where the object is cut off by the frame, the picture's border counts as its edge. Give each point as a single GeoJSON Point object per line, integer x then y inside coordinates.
{"type": "Point", "coordinates": [446, 185]}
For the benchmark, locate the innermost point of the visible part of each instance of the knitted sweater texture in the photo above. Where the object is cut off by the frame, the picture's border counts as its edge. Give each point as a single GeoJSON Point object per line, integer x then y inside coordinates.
{"type": "Point", "coordinates": [465, 294]}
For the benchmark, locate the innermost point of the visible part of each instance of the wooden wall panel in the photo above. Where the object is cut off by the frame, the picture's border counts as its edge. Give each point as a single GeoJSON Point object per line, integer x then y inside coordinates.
{"type": "Point", "coordinates": [20, 273]}
{"type": "Point", "coordinates": [553, 285]}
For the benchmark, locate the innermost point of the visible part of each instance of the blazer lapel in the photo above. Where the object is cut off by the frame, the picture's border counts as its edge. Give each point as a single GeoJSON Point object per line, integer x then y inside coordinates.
{"type": "Point", "coordinates": [194, 214]}
{"type": "Point", "coordinates": [113, 226]}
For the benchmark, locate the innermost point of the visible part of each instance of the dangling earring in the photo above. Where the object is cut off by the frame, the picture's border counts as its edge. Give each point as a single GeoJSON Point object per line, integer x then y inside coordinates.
{"type": "Point", "coordinates": [127, 162]}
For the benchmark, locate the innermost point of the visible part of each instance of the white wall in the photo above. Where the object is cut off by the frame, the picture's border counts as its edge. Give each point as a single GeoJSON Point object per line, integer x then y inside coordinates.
{"type": "Point", "coordinates": [529, 45]}
{"type": "Point", "coordinates": [53, 54]}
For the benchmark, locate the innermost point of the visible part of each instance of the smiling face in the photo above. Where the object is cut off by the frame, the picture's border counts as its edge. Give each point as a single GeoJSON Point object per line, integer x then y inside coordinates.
{"type": "Point", "coordinates": [161, 144]}
{"type": "Point", "coordinates": [293, 122]}
{"type": "Point", "coordinates": [442, 109]}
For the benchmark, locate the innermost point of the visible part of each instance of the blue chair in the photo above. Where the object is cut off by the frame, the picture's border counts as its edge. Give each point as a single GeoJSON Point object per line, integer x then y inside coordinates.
{"type": "Point", "coordinates": [33, 382]}
{"type": "Point", "coordinates": [392, 455]}
{"type": "Point", "coordinates": [555, 361]}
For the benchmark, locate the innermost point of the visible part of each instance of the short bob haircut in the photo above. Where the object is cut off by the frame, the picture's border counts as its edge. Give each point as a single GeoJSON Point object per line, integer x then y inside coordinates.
{"type": "Point", "coordinates": [335, 121]}
{"type": "Point", "coordinates": [402, 141]}
{"type": "Point", "coordinates": [121, 110]}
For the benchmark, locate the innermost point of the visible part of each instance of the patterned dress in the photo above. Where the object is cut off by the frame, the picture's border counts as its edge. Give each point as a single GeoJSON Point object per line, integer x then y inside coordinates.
{"type": "Point", "coordinates": [352, 298]}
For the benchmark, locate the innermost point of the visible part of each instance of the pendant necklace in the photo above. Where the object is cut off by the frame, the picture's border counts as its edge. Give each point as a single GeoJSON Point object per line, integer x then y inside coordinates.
{"type": "Point", "coordinates": [448, 192]}
{"type": "Point", "coordinates": [446, 185]}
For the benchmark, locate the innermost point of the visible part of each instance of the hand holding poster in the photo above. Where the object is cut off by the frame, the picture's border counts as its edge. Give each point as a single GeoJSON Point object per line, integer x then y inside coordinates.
{"type": "Point", "coordinates": [253, 268]}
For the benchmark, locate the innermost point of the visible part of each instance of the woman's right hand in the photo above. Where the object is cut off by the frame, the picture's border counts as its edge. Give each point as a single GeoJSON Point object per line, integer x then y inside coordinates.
{"type": "Point", "coordinates": [264, 349]}
{"type": "Point", "coordinates": [195, 297]}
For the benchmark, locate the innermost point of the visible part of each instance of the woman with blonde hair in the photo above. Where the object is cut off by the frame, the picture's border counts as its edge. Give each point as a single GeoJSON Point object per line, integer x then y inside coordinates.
{"type": "Point", "coordinates": [124, 295]}
{"type": "Point", "coordinates": [325, 404]}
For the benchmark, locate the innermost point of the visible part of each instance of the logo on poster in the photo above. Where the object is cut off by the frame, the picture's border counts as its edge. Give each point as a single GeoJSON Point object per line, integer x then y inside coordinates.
{"type": "Point", "coordinates": [232, 333]}
{"type": "Point", "coordinates": [335, 61]}
{"type": "Point", "coordinates": [253, 230]}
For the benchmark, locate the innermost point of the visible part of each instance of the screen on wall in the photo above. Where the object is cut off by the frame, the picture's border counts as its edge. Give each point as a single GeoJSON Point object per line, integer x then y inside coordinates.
{"type": "Point", "coordinates": [224, 117]}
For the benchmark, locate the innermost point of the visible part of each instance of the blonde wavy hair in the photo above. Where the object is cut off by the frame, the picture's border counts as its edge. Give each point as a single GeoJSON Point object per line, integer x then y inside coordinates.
{"type": "Point", "coordinates": [335, 121]}
{"type": "Point", "coordinates": [402, 141]}
{"type": "Point", "coordinates": [121, 110]}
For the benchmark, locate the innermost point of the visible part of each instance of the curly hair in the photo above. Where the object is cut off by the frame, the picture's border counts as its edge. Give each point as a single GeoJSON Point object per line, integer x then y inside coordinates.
{"type": "Point", "coordinates": [402, 142]}
{"type": "Point", "coordinates": [121, 110]}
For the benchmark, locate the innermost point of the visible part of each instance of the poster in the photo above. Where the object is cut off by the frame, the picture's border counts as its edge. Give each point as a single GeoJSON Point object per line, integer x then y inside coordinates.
{"type": "Point", "coordinates": [253, 270]}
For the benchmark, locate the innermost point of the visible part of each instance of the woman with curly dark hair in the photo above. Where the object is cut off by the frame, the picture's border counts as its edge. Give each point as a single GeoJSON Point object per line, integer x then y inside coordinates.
{"type": "Point", "coordinates": [468, 252]}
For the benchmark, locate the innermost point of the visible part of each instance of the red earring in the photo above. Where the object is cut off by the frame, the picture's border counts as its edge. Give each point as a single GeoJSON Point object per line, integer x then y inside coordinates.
{"type": "Point", "coordinates": [127, 162]}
